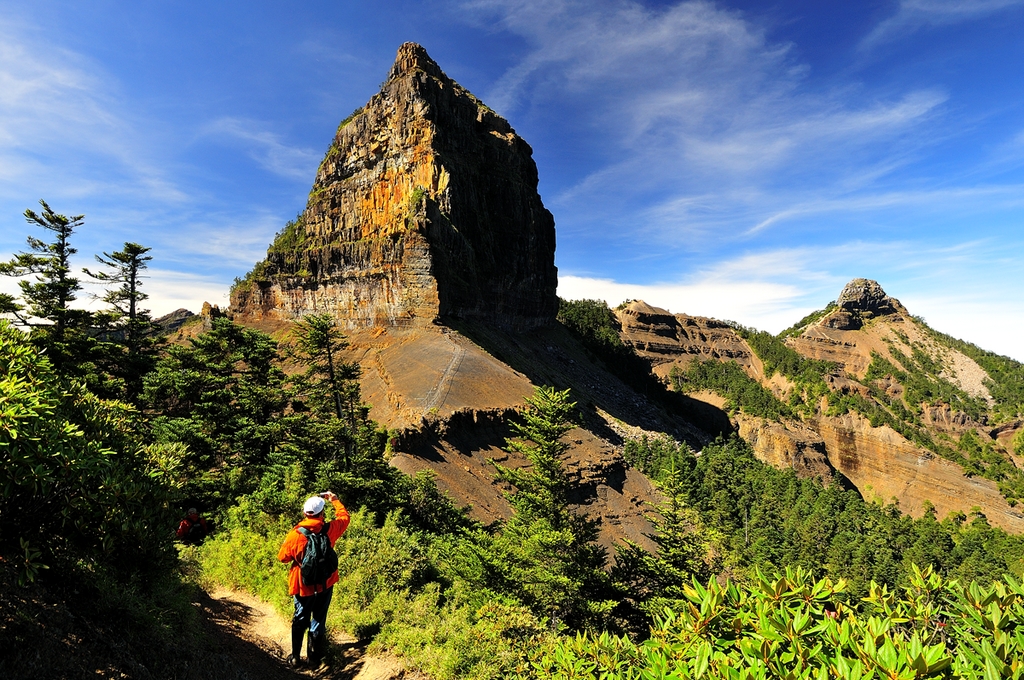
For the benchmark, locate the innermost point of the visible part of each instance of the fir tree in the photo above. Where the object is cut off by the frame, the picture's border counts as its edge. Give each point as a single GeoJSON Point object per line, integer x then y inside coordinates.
{"type": "Point", "coordinates": [126, 321]}
{"type": "Point", "coordinates": [45, 306]}
{"type": "Point", "coordinates": [546, 552]}
{"type": "Point", "coordinates": [685, 551]}
{"type": "Point", "coordinates": [329, 384]}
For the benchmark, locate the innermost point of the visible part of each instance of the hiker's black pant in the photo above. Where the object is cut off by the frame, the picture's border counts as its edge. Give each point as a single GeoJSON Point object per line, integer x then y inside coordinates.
{"type": "Point", "coordinates": [311, 615]}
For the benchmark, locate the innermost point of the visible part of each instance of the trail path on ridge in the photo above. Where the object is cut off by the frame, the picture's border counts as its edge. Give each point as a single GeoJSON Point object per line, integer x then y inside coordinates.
{"type": "Point", "coordinates": [439, 392]}
{"type": "Point", "coordinates": [253, 640]}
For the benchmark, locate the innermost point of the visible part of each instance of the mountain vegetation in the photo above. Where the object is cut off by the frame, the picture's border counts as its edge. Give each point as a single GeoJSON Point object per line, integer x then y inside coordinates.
{"type": "Point", "coordinates": [1005, 381]}
{"type": "Point", "coordinates": [757, 572]}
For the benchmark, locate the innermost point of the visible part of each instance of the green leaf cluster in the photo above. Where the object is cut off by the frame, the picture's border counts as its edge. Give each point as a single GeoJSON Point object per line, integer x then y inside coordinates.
{"type": "Point", "coordinates": [790, 626]}
{"type": "Point", "coordinates": [76, 480]}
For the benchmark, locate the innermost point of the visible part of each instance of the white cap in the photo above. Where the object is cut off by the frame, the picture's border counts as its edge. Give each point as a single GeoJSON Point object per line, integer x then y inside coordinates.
{"type": "Point", "coordinates": [314, 505]}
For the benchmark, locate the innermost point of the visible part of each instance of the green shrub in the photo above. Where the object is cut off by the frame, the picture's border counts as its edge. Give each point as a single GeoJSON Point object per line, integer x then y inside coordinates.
{"type": "Point", "coordinates": [75, 479]}
{"type": "Point", "coordinates": [291, 237]}
{"type": "Point", "coordinates": [790, 626]}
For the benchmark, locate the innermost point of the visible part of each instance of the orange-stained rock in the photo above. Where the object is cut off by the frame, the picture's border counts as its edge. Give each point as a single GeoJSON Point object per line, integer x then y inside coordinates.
{"type": "Point", "coordinates": [883, 465]}
{"type": "Point", "coordinates": [424, 207]}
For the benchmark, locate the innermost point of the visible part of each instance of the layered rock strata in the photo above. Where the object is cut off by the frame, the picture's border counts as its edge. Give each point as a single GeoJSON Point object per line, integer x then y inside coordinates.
{"type": "Point", "coordinates": [668, 340]}
{"type": "Point", "coordinates": [884, 466]}
{"type": "Point", "coordinates": [789, 444]}
{"type": "Point", "coordinates": [881, 463]}
{"type": "Point", "coordinates": [425, 207]}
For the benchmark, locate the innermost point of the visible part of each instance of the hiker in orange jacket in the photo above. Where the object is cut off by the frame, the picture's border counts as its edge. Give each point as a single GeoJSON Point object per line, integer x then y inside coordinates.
{"type": "Point", "coordinates": [311, 600]}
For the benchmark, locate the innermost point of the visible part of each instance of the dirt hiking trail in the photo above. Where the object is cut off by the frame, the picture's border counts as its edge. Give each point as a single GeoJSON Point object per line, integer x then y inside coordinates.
{"type": "Point", "coordinates": [255, 640]}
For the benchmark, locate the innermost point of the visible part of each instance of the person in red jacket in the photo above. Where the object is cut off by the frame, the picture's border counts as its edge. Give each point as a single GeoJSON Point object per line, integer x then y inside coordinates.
{"type": "Point", "coordinates": [193, 529]}
{"type": "Point", "coordinates": [311, 601]}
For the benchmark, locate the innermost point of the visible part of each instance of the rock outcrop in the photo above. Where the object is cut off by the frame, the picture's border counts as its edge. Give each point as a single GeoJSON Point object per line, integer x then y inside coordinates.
{"type": "Point", "coordinates": [880, 462]}
{"type": "Point", "coordinates": [884, 466]}
{"type": "Point", "coordinates": [861, 300]}
{"type": "Point", "coordinates": [668, 340]}
{"type": "Point", "coordinates": [425, 207]}
{"type": "Point", "coordinates": [789, 444]}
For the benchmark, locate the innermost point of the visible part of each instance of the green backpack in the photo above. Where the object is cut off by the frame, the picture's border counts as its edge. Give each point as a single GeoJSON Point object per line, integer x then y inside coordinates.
{"type": "Point", "coordinates": [319, 560]}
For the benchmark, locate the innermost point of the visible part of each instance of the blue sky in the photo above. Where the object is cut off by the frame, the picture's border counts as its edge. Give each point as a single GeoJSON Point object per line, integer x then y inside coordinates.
{"type": "Point", "coordinates": [741, 160]}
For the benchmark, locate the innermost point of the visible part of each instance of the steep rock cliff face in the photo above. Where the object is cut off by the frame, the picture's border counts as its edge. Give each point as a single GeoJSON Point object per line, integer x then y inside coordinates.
{"type": "Point", "coordinates": [789, 444]}
{"type": "Point", "coordinates": [669, 340]}
{"type": "Point", "coordinates": [424, 207]}
{"type": "Point", "coordinates": [883, 465]}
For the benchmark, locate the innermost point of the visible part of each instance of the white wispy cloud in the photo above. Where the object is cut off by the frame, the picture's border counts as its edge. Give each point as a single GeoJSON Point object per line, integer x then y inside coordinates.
{"type": "Point", "coordinates": [69, 133]}
{"type": "Point", "coordinates": [62, 129]}
{"type": "Point", "coordinates": [707, 124]}
{"type": "Point", "coordinates": [912, 15]}
{"type": "Point", "coordinates": [266, 147]}
{"type": "Point", "coordinates": [234, 239]}
{"type": "Point", "coordinates": [934, 199]}
{"type": "Point", "coordinates": [169, 290]}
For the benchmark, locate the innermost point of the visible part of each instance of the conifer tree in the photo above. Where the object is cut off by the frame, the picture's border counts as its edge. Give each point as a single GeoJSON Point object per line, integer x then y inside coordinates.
{"type": "Point", "coordinates": [547, 552]}
{"type": "Point", "coordinates": [320, 342]}
{"type": "Point", "coordinates": [46, 298]}
{"type": "Point", "coordinates": [339, 441]}
{"type": "Point", "coordinates": [223, 396]}
{"type": "Point", "coordinates": [685, 551]}
{"type": "Point", "coordinates": [128, 322]}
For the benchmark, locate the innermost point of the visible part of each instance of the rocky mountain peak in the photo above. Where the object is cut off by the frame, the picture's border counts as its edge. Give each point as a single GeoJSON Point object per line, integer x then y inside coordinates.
{"type": "Point", "coordinates": [865, 295]}
{"type": "Point", "coordinates": [412, 57]}
{"type": "Point", "coordinates": [861, 300]}
{"type": "Point", "coordinates": [425, 207]}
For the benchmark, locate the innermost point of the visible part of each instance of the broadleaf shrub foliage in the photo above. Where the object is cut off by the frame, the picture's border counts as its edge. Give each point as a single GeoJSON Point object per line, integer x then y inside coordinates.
{"type": "Point", "coordinates": [791, 626]}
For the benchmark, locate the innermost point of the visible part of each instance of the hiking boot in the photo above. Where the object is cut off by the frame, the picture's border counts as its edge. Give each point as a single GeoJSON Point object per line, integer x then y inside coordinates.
{"type": "Point", "coordinates": [294, 661]}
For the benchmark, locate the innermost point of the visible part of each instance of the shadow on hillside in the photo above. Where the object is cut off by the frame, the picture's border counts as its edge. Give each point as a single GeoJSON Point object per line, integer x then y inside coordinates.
{"type": "Point", "coordinates": [553, 356]}
{"type": "Point", "coordinates": [231, 650]}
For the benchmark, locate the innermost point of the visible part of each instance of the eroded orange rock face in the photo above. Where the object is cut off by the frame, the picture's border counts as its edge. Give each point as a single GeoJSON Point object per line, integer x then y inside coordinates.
{"type": "Point", "coordinates": [424, 207]}
{"type": "Point", "coordinates": [789, 444]}
{"type": "Point", "coordinates": [885, 466]}
{"type": "Point", "coordinates": [881, 463]}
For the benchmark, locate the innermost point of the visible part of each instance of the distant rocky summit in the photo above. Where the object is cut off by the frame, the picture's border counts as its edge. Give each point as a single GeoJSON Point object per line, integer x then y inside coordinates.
{"type": "Point", "coordinates": [862, 299]}
{"type": "Point", "coordinates": [424, 207]}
